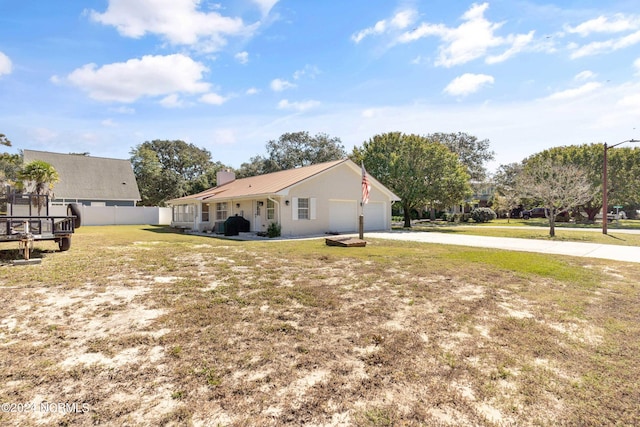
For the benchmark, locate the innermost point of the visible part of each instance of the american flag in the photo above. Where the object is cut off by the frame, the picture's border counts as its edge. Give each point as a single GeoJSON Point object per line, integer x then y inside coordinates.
{"type": "Point", "coordinates": [366, 187]}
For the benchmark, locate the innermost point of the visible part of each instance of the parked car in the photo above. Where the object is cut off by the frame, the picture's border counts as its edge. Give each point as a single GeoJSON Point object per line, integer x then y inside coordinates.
{"type": "Point", "coordinates": [544, 213]}
{"type": "Point", "coordinates": [534, 213]}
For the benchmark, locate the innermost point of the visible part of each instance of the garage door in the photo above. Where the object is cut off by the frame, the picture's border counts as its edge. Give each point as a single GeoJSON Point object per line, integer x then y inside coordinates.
{"type": "Point", "coordinates": [343, 216]}
{"type": "Point", "coordinates": [374, 216]}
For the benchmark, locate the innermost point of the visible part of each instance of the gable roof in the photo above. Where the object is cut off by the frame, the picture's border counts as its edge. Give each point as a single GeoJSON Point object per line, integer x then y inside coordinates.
{"type": "Point", "coordinates": [89, 178]}
{"type": "Point", "coordinates": [269, 184]}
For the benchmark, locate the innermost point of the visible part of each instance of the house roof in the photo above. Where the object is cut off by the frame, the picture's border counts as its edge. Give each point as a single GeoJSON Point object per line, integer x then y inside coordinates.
{"type": "Point", "coordinates": [89, 178]}
{"type": "Point", "coordinates": [271, 183]}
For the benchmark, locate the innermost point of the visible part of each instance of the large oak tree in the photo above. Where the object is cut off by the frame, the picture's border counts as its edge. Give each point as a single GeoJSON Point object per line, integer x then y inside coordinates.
{"type": "Point", "coordinates": [166, 170]}
{"type": "Point", "coordinates": [420, 170]}
{"type": "Point", "coordinates": [292, 150]}
{"type": "Point", "coordinates": [472, 152]}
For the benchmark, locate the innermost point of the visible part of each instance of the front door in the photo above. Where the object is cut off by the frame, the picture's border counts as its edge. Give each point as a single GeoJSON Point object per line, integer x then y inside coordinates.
{"type": "Point", "coordinates": [258, 208]}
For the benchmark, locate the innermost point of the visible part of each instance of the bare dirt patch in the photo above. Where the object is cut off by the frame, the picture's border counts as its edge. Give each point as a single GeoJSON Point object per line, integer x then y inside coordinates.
{"type": "Point", "coordinates": [196, 331]}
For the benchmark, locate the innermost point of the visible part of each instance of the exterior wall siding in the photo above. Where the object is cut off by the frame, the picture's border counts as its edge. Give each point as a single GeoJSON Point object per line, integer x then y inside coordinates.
{"type": "Point", "coordinates": [339, 183]}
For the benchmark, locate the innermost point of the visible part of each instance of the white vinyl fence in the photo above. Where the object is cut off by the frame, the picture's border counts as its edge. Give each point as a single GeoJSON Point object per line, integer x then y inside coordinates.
{"type": "Point", "coordinates": [118, 215]}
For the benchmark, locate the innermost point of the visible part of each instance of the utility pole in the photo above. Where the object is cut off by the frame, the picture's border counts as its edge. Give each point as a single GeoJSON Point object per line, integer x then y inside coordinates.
{"type": "Point", "coordinates": [605, 190]}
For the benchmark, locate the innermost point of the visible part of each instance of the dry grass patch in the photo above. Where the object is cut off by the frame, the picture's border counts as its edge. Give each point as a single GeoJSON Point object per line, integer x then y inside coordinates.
{"type": "Point", "coordinates": [149, 327]}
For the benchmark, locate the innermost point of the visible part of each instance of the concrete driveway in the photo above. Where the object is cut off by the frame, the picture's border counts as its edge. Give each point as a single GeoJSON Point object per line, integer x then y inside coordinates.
{"type": "Point", "coordinates": [590, 250]}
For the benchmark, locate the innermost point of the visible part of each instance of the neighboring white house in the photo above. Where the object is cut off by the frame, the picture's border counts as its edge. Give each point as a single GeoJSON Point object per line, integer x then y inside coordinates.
{"type": "Point", "coordinates": [309, 200]}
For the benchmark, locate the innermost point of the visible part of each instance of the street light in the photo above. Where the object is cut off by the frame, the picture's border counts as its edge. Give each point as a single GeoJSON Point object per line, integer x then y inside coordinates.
{"type": "Point", "coordinates": [605, 208]}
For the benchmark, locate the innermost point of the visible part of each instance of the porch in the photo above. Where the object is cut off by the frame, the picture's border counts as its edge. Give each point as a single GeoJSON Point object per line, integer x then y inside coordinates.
{"type": "Point", "coordinates": [204, 216]}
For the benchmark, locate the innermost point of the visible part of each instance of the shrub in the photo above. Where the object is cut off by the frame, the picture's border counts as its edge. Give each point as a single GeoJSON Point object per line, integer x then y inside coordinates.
{"type": "Point", "coordinates": [274, 230]}
{"type": "Point", "coordinates": [483, 215]}
{"type": "Point", "coordinates": [456, 217]}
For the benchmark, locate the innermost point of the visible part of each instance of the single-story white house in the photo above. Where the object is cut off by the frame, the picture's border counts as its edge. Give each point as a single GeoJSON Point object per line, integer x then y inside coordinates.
{"type": "Point", "coordinates": [310, 200]}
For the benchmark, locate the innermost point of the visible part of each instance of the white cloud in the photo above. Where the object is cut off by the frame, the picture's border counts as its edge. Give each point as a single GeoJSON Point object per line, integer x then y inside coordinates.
{"type": "Point", "coordinates": [467, 84]}
{"type": "Point", "coordinates": [242, 57]}
{"type": "Point", "coordinates": [213, 99]}
{"type": "Point", "coordinates": [136, 78]}
{"type": "Point", "coordinates": [584, 76]}
{"type": "Point", "coordinates": [310, 71]}
{"type": "Point", "coordinates": [278, 85]}
{"type": "Point", "coordinates": [252, 91]}
{"type": "Point", "coordinates": [631, 102]}
{"type": "Point", "coordinates": [5, 64]}
{"type": "Point", "coordinates": [472, 39]}
{"type": "Point", "coordinates": [607, 46]}
{"type": "Point", "coordinates": [399, 21]}
{"type": "Point", "coordinates": [602, 24]}
{"type": "Point", "coordinates": [636, 64]}
{"type": "Point", "coordinates": [172, 101]}
{"type": "Point", "coordinates": [403, 19]}
{"type": "Point", "coordinates": [575, 93]}
{"type": "Point", "coordinates": [423, 30]}
{"type": "Point", "coordinates": [370, 113]}
{"type": "Point", "coordinates": [419, 60]}
{"type": "Point", "coordinates": [297, 106]}
{"type": "Point", "coordinates": [518, 44]}
{"type": "Point", "coordinates": [265, 5]}
{"type": "Point", "coordinates": [178, 21]}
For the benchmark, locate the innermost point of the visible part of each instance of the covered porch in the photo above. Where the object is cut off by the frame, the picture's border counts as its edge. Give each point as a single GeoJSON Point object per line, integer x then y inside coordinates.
{"type": "Point", "coordinates": [210, 215]}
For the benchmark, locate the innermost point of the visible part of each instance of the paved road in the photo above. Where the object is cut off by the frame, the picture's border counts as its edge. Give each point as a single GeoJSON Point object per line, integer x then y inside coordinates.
{"type": "Point", "coordinates": [612, 230]}
{"type": "Point", "coordinates": [592, 250]}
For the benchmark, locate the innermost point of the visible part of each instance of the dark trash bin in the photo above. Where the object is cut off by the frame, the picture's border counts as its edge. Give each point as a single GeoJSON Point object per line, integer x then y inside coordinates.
{"type": "Point", "coordinates": [235, 225]}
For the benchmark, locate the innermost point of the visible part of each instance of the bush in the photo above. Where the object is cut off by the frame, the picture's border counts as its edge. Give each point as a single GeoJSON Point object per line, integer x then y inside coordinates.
{"type": "Point", "coordinates": [273, 230]}
{"type": "Point", "coordinates": [483, 215]}
{"type": "Point", "coordinates": [456, 217]}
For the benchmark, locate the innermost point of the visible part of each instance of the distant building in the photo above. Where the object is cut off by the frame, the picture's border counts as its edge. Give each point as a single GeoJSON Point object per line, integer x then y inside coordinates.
{"type": "Point", "coordinates": [90, 181]}
{"type": "Point", "coordinates": [483, 193]}
{"type": "Point", "coordinates": [482, 197]}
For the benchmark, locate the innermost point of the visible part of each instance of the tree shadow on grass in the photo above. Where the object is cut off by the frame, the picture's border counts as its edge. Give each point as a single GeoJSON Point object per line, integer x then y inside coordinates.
{"type": "Point", "coordinates": [616, 238]}
{"type": "Point", "coordinates": [164, 229]}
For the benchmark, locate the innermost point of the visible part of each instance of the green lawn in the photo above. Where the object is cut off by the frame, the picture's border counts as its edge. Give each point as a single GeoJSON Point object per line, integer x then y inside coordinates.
{"type": "Point", "coordinates": [148, 327]}
{"type": "Point", "coordinates": [539, 229]}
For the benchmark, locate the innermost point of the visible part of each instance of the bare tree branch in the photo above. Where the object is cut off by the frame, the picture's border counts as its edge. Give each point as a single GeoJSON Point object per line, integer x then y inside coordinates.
{"type": "Point", "coordinates": [558, 187]}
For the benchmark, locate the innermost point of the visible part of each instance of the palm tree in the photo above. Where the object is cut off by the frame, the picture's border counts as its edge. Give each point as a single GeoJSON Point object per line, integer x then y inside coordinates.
{"type": "Point", "coordinates": [42, 175]}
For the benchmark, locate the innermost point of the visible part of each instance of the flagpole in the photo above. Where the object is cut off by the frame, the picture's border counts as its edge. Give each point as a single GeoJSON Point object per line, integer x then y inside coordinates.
{"type": "Point", "coordinates": [361, 218]}
{"type": "Point", "coordinates": [363, 200]}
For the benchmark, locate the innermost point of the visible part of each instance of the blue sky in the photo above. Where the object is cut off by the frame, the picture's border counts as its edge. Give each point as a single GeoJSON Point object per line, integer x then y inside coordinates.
{"type": "Point", "coordinates": [105, 75]}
